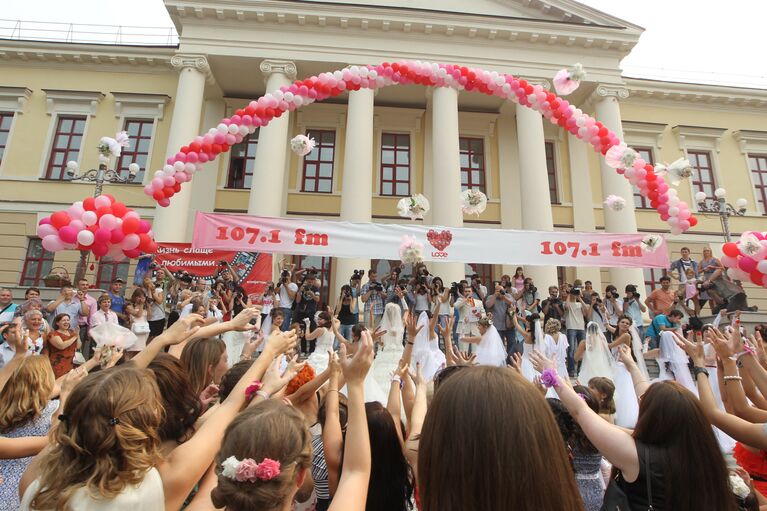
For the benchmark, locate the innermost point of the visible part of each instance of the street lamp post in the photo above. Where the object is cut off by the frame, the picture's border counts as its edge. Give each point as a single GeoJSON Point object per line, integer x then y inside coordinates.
{"type": "Point", "coordinates": [99, 176]}
{"type": "Point", "coordinates": [721, 207]}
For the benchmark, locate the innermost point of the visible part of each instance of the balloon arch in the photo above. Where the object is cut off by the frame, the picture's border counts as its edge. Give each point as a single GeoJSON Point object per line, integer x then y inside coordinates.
{"type": "Point", "coordinates": [181, 167]}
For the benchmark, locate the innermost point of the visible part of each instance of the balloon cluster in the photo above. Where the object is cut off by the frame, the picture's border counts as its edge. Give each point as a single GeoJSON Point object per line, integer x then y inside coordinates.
{"type": "Point", "coordinates": [101, 225]}
{"type": "Point", "coordinates": [181, 167]}
{"type": "Point", "coordinates": [746, 259]}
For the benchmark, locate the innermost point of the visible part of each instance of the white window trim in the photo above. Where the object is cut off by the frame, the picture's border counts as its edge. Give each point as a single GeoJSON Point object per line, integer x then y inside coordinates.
{"type": "Point", "coordinates": [752, 142]}
{"type": "Point", "coordinates": [557, 171]}
{"type": "Point", "coordinates": [701, 138]}
{"type": "Point", "coordinates": [401, 121]}
{"type": "Point", "coordinates": [141, 106]}
{"type": "Point", "coordinates": [64, 102]}
{"type": "Point", "coordinates": [320, 117]}
{"type": "Point", "coordinates": [14, 100]}
{"type": "Point", "coordinates": [480, 125]}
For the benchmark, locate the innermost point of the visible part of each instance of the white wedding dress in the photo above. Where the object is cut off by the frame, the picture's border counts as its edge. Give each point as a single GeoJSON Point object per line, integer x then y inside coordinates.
{"type": "Point", "coordinates": [672, 362]}
{"type": "Point", "coordinates": [626, 402]}
{"type": "Point", "coordinates": [426, 350]}
{"type": "Point", "coordinates": [597, 360]}
{"type": "Point", "coordinates": [389, 355]}
{"type": "Point", "coordinates": [558, 348]}
{"type": "Point", "coordinates": [528, 371]}
{"type": "Point", "coordinates": [490, 351]}
{"type": "Point", "coordinates": [318, 359]}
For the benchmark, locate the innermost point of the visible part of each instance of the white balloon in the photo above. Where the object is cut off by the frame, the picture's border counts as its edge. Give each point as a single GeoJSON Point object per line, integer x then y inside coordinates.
{"type": "Point", "coordinates": [222, 128]}
{"type": "Point", "coordinates": [179, 166]}
{"type": "Point", "coordinates": [161, 173]}
{"type": "Point", "coordinates": [233, 128]}
{"type": "Point", "coordinates": [167, 168]}
{"type": "Point", "coordinates": [85, 237]}
{"type": "Point", "coordinates": [673, 211]}
{"type": "Point", "coordinates": [89, 218]}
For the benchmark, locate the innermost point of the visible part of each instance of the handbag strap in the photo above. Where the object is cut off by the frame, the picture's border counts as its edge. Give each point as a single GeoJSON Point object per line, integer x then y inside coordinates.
{"type": "Point", "coordinates": [648, 477]}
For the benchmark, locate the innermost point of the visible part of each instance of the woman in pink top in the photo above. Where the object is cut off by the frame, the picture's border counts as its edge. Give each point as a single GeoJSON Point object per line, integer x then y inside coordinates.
{"type": "Point", "coordinates": [518, 280]}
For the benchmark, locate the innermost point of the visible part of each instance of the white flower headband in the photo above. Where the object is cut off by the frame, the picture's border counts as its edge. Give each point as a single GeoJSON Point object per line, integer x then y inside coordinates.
{"type": "Point", "coordinates": [250, 471]}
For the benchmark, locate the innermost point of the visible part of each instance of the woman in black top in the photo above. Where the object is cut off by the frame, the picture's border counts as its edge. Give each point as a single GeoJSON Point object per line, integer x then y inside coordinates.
{"type": "Point", "coordinates": [673, 444]}
{"type": "Point", "coordinates": [344, 312]}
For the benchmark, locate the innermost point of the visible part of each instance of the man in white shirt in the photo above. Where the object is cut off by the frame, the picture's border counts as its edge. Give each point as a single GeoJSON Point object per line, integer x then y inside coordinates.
{"type": "Point", "coordinates": [11, 338]}
{"type": "Point", "coordinates": [7, 307]}
{"type": "Point", "coordinates": [470, 310]}
{"type": "Point", "coordinates": [286, 290]}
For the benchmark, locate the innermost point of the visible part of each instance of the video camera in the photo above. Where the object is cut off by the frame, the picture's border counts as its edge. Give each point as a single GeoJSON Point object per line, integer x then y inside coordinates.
{"type": "Point", "coordinates": [357, 275]}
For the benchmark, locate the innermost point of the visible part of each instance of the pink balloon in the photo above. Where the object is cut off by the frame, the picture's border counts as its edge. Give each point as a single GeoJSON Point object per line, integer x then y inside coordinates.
{"type": "Point", "coordinates": [116, 236]}
{"type": "Point", "coordinates": [747, 264]}
{"type": "Point", "coordinates": [662, 187]}
{"type": "Point", "coordinates": [77, 225]}
{"type": "Point", "coordinates": [102, 235]}
{"type": "Point", "coordinates": [663, 209]}
{"type": "Point", "coordinates": [192, 157]}
{"type": "Point", "coordinates": [130, 242]}
{"type": "Point", "coordinates": [148, 189]}
{"type": "Point", "coordinates": [76, 210]}
{"type": "Point", "coordinates": [102, 201]}
{"type": "Point", "coordinates": [202, 157]}
{"type": "Point", "coordinates": [89, 218]}
{"type": "Point", "coordinates": [219, 138]}
{"type": "Point", "coordinates": [164, 202]}
{"type": "Point", "coordinates": [180, 157]}
{"type": "Point", "coordinates": [52, 243]}
{"type": "Point", "coordinates": [108, 222]}
{"type": "Point", "coordinates": [180, 177]}
{"type": "Point", "coordinates": [130, 214]}
{"type": "Point", "coordinates": [45, 230]}
{"type": "Point", "coordinates": [143, 226]}
{"type": "Point", "coordinates": [68, 234]}
{"type": "Point", "coordinates": [44, 221]}
{"type": "Point", "coordinates": [230, 139]}
{"type": "Point", "coordinates": [684, 225]}
{"type": "Point", "coordinates": [168, 181]}
{"type": "Point", "coordinates": [157, 184]}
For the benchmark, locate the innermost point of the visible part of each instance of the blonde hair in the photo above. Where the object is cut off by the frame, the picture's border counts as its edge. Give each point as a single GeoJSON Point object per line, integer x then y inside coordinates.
{"type": "Point", "coordinates": [27, 392]}
{"type": "Point", "coordinates": [553, 326]}
{"type": "Point", "coordinates": [107, 438]}
{"type": "Point", "coordinates": [270, 429]}
{"type": "Point", "coordinates": [198, 357]}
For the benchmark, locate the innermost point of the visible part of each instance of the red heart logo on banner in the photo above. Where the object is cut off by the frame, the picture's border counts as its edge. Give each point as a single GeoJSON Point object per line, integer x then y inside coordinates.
{"type": "Point", "coordinates": [439, 240]}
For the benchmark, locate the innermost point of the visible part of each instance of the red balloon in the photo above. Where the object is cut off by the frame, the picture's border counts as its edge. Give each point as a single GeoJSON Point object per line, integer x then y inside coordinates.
{"type": "Point", "coordinates": [757, 277]}
{"type": "Point", "coordinates": [195, 147]}
{"type": "Point", "coordinates": [144, 244]}
{"type": "Point", "coordinates": [119, 209]}
{"type": "Point", "coordinates": [158, 195]}
{"type": "Point", "coordinates": [130, 225]}
{"type": "Point", "coordinates": [730, 249]}
{"type": "Point", "coordinates": [117, 235]}
{"type": "Point", "coordinates": [104, 210]}
{"type": "Point", "coordinates": [60, 219]}
{"type": "Point", "coordinates": [89, 204]}
{"type": "Point", "coordinates": [134, 253]}
{"type": "Point", "coordinates": [693, 221]}
{"type": "Point", "coordinates": [168, 191]}
{"type": "Point", "coordinates": [152, 248]}
{"type": "Point", "coordinates": [177, 187]}
{"type": "Point", "coordinates": [99, 249]}
{"type": "Point", "coordinates": [110, 197]}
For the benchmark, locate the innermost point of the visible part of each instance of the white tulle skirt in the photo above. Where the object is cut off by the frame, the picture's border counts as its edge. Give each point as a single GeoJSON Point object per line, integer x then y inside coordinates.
{"type": "Point", "coordinates": [626, 402]}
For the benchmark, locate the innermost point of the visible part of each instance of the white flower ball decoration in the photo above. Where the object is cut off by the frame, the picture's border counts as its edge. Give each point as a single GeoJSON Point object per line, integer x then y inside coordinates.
{"type": "Point", "coordinates": [410, 251]}
{"type": "Point", "coordinates": [473, 201]}
{"type": "Point", "coordinates": [615, 202]}
{"type": "Point", "coordinates": [414, 207]}
{"type": "Point", "coordinates": [652, 242]}
{"type": "Point", "coordinates": [302, 145]}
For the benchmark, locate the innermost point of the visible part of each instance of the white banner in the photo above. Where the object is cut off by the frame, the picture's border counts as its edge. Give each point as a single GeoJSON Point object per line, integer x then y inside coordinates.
{"type": "Point", "coordinates": [452, 244]}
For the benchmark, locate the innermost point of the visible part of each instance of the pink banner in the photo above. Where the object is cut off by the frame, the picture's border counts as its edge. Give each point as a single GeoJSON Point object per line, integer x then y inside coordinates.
{"type": "Point", "coordinates": [381, 241]}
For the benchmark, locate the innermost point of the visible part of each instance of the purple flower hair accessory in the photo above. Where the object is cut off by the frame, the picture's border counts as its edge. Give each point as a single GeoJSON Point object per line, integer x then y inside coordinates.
{"type": "Point", "coordinates": [549, 378]}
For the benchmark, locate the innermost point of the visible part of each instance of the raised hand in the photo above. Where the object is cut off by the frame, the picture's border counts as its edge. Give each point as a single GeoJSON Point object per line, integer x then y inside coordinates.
{"type": "Point", "coordinates": [182, 329]}
{"type": "Point", "coordinates": [280, 342]}
{"type": "Point", "coordinates": [694, 349]}
{"type": "Point", "coordinates": [251, 344]}
{"type": "Point", "coordinates": [208, 395]}
{"type": "Point", "coordinates": [541, 362]}
{"type": "Point", "coordinates": [241, 322]}
{"type": "Point", "coordinates": [334, 363]}
{"type": "Point", "coordinates": [464, 358]}
{"type": "Point", "coordinates": [412, 328]}
{"type": "Point", "coordinates": [516, 362]}
{"type": "Point", "coordinates": [624, 353]}
{"type": "Point", "coordinates": [402, 370]}
{"type": "Point", "coordinates": [71, 379]}
{"type": "Point", "coordinates": [720, 344]}
{"type": "Point", "coordinates": [356, 368]}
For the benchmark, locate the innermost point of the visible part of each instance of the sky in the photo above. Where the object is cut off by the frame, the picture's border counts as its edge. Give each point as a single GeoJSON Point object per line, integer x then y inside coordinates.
{"type": "Point", "coordinates": [684, 40]}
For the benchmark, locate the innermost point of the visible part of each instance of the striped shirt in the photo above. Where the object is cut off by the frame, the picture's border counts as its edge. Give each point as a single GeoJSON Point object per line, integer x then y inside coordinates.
{"type": "Point", "coordinates": [319, 469]}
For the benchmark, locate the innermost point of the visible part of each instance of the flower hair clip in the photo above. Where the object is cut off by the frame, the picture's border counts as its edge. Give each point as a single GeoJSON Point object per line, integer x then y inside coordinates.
{"type": "Point", "coordinates": [252, 389]}
{"type": "Point", "coordinates": [549, 378]}
{"type": "Point", "coordinates": [250, 471]}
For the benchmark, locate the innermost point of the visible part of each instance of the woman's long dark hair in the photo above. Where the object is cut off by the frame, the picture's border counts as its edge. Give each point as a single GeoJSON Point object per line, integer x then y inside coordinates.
{"type": "Point", "coordinates": [182, 406]}
{"type": "Point", "coordinates": [391, 477]}
{"type": "Point", "coordinates": [672, 421]}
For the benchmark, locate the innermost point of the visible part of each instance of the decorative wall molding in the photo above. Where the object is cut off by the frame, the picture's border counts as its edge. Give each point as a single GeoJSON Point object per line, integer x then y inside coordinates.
{"type": "Point", "coordinates": [198, 62]}
{"type": "Point", "coordinates": [72, 101]}
{"type": "Point", "coordinates": [649, 134]}
{"type": "Point", "coordinates": [704, 96]}
{"type": "Point", "coordinates": [14, 99]}
{"type": "Point", "coordinates": [285, 67]}
{"type": "Point", "coordinates": [751, 141]}
{"type": "Point", "coordinates": [699, 137]}
{"type": "Point", "coordinates": [150, 106]}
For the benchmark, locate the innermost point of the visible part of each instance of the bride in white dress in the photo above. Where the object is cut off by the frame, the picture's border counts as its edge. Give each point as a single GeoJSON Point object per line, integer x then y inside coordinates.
{"type": "Point", "coordinates": [626, 402]}
{"type": "Point", "coordinates": [325, 336]}
{"type": "Point", "coordinates": [426, 350]}
{"type": "Point", "coordinates": [490, 350]}
{"type": "Point", "coordinates": [555, 344]}
{"type": "Point", "coordinates": [594, 355]}
{"type": "Point", "coordinates": [532, 339]}
{"type": "Point", "coordinates": [390, 352]}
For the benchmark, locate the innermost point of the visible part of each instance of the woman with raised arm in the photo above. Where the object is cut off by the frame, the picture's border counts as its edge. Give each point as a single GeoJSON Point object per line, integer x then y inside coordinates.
{"type": "Point", "coordinates": [61, 344]}
{"type": "Point", "coordinates": [105, 452]}
{"type": "Point", "coordinates": [532, 338]}
{"type": "Point", "coordinates": [490, 350]}
{"type": "Point", "coordinates": [670, 461]}
{"type": "Point", "coordinates": [324, 335]}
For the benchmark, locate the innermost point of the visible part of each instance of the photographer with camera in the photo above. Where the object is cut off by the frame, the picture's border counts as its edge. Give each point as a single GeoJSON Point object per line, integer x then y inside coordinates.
{"type": "Point", "coordinates": [344, 310]}
{"type": "Point", "coordinates": [498, 303]}
{"type": "Point", "coordinates": [307, 299]}
{"type": "Point", "coordinates": [529, 301]}
{"type": "Point", "coordinates": [553, 307]}
{"type": "Point", "coordinates": [286, 292]}
{"type": "Point", "coordinates": [633, 308]}
{"type": "Point", "coordinates": [576, 311]}
{"type": "Point", "coordinates": [373, 296]}
{"type": "Point", "coordinates": [613, 307]}
{"type": "Point", "coordinates": [478, 290]}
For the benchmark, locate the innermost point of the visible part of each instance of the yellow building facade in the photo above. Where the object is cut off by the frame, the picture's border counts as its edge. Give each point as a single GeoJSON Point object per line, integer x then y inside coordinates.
{"type": "Point", "coordinates": [57, 99]}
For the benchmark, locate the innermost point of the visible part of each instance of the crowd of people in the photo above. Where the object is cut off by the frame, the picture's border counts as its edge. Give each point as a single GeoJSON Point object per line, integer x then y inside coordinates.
{"type": "Point", "coordinates": [402, 393]}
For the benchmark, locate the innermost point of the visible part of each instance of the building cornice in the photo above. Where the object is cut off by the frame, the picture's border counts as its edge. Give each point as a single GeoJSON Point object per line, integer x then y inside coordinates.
{"type": "Point", "coordinates": [435, 24]}
{"type": "Point", "coordinates": [695, 136]}
{"type": "Point", "coordinates": [751, 141]}
{"type": "Point", "coordinates": [14, 99]}
{"type": "Point", "coordinates": [694, 94]}
{"type": "Point", "coordinates": [108, 58]}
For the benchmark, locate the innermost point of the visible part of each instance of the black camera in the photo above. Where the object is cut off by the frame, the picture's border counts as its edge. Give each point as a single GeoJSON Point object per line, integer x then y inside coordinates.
{"type": "Point", "coordinates": [375, 286]}
{"type": "Point", "coordinates": [576, 291]}
{"type": "Point", "coordinates": [533, 289]}
{"type": "Point", "coordinates": [397, 270]}
{"type": "Point", "coordinates": [357, 275]}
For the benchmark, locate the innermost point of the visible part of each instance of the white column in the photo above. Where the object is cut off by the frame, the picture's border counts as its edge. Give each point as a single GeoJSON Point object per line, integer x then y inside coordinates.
{"type": "Point", "coordinates": [534, 187]}
{"type": "Point", "coordinates": [608, 112]}
{"type": "Point", "coordinates": [170, 223]}
{"type": "Point", "coordinates": [270, 167]}
{"type": "Point", "coordinates": [205, 182]}
{"type": "Point", "coordinates": [446, 172]}
{"type": "Point", "coordinates": [508, 172]}
{"type": "Point", "coordinates": [583, 207]}
{"type": "Point", "coordinates": [357, 187]}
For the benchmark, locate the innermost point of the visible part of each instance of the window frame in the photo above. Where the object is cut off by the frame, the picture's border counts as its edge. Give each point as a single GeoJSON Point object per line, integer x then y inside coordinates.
{"type": "Point", "coordinates": [114, 267]}
{"type": "Point", "coordinates": [324, 273]}
{"type": "Point", "coordinates": [319, 145]}
{"type": "Point", "coordinates": [249, 142]}
{"type": "Point", "coordinates": [760, 186]}
{"type": "Point", "coordinates": [394, 166]}
{"type": "Point", "coordinates": [552, 172]}
{"type": "Point", "coordinates": [485, 272]}
{"type": "Point", "coordinates": [698, 184]}
{"type": "Point", "coordinates": [52, 151]}
{"type": "Point", "coordinates": [467, 171]}
{"type": "Point", "coordinates": [4, 146]}
{"type": "Point", "coordinates": [654, 280]}
{"type": "Point", "coordinates": [40, 272]}
{"type": "Point", "coordinates": [132, 151]}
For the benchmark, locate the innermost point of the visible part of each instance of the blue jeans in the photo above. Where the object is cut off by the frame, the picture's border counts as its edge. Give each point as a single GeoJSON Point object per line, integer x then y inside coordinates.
{"type": "Point", "coordinates": [574, 337]}
{"type": "Point", "coordinates": [287, 313]}
{"type": "Point", "coordinates": [346, 333]}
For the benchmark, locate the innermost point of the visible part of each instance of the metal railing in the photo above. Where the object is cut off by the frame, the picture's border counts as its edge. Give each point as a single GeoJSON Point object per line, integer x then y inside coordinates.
{"type": "Point", "coordinates": [87, 33]}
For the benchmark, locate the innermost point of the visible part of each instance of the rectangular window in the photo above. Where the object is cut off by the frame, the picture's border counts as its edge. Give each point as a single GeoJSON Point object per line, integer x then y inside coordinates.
{"type": "Point", "coordinates": [318, 165]}
{"type": "Point", "coordinates": [67, 140]}
{"type": "Point", "coordinates": [241, 163]}
{"type": "Point", "coordinates": [395, 164]}
{"type": "Point", "coordinates": [472, 152]}
{"type": "Point", "coordinates": [110, 270]}
{"type": "Point", "coordinates": [5, 128]}
{"type": "Point", "coordinates": [639, 201]}
{"type": "Point", "coordinates": [702, 172]}
{"type": "Point", "coordinates": [37, 264]}
{"type": "Point", "coordinates": [140, 133]}
{"type": "Point", "coordinates": [561, 275]}
{"type": "Point", "coordinates": [551, 167]}
{"type": "Point", "coordinates": [652, 278]}
{"type": "Point", "coordinates": [321, 265]}
{"type": "Point", "coordinates": [758, 165]}
{"type": "Point", "coordinates": [485, 272]}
